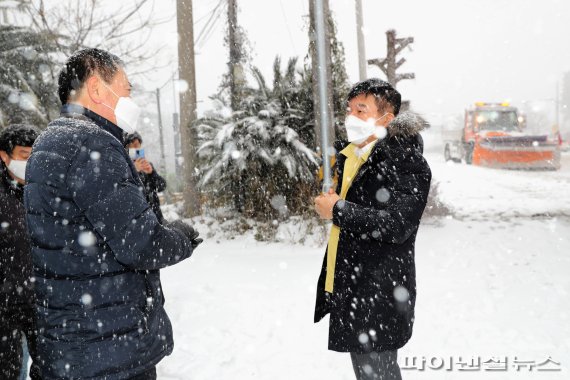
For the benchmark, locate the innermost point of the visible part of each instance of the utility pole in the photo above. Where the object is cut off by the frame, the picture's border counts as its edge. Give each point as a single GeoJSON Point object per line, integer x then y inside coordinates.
{"type": "Point", "coordinates": [186, 67]}
{"type": "Point", "coordinates": [389, 65]}
{"type": "Point", "coordinates": [557, 131]}
{"type": "Point", "coordinates": [360, 39]}
{"type": "Point", "coordinates": [565, 104]}
{"type": "Point", "coordinates": [237, 77]}
{"type": "Point", "coordinates": [237, 82]}
{"type": "Point", "coordinates": [323, 106]}
{"type": "Point", "coordinates": [162, 159]}
{"type": "Point", "coordinates": [177, 144]}
{"type": "Point", "coordinates": [557, 100]}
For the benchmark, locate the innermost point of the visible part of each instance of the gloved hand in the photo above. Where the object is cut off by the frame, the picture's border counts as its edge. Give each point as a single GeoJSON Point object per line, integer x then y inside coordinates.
{"type": "Point", "coordinates": [196, 242]}
{"type": "Point", "coordinates": [188, 231]}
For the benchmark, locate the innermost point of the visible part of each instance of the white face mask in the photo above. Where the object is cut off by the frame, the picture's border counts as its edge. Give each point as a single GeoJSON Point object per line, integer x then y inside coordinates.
{"type": "Point", "coordinates": [358, 130]}
{"type": "Point", "coordinates": [127, 113]}
{"type": "Point", "coordinates": [18, 168]}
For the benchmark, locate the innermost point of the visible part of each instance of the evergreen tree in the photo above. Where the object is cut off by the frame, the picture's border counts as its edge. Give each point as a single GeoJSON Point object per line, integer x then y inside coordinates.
{"type": "Point", "coordinates": [28, 91]}
{"type": "Point", "coordinates": [339, 75]}
{"type": "Point", "coordinates": [340, 86]}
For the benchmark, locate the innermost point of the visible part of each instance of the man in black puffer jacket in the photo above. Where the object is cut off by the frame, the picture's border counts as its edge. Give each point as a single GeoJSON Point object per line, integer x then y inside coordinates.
{"type": "Point", "coordinates": [97, 246]}
{"type": "Point", "coordinates": [17, 299]}
{"type": "Point", "coordinates": [152, 181]}
{"type": "Point", "coordinates": [368, 279]}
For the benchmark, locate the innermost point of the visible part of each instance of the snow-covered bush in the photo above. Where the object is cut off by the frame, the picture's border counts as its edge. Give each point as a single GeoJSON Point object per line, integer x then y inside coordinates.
{"type": "Point", "coordinates": [435, 208]}
{"type": "Point", "coordinates": [255, 162]}
{"type": "Point", "coordinates": [259, 160]}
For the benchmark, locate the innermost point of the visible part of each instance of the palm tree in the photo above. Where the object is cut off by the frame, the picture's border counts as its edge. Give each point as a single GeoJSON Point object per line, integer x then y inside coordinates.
{"type": "Point", "coordinates": [255, 155]}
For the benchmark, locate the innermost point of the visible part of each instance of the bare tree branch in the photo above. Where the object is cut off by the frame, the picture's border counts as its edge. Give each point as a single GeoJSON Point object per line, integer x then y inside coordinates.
{"type": "Point", "coordinates": [74, 25]}
{"type": "Point", "coordinates": [121, 22]}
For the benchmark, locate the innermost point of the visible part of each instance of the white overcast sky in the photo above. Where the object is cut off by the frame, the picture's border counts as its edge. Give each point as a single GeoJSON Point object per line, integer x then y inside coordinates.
{"type": "Point", "coordinates": [464, 50]}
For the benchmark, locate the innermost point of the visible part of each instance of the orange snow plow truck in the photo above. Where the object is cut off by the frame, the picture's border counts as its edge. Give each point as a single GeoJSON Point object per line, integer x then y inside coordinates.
{"type": "Point", "coordinates": [493, 136]}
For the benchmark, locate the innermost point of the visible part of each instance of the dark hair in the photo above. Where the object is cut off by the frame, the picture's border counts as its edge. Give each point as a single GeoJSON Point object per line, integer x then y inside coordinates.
{"type": "Point", "coordinates": [383, 91]}
{"type": "Point", "coordinates": [131, 137]}
{"type": "Point", "coordinates": [17, 135]}
{"type": "Point", "coordinates": [81, 65]}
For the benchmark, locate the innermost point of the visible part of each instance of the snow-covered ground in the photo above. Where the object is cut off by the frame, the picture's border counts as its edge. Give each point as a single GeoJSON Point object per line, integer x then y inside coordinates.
{"type": "Point", "coordinates": [483, 193]}
{"type": "Point", "coordinates": [493, 281]}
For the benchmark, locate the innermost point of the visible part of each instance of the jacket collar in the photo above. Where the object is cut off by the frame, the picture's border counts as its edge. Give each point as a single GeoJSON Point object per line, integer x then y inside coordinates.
{"type": "Point", "coordinates": [407, 124]}
{"type": "Point", "coordinates": [76, 111]}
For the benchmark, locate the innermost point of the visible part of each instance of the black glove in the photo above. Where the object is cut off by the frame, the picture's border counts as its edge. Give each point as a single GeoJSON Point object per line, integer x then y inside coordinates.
{"type": "Point", "coordinates": [188, 231]}
{"type": "Point", "coordinates": [196, 242]}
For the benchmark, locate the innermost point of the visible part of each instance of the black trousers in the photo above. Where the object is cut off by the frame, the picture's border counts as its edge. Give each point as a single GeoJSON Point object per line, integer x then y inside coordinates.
{"type": "Point", "coordinates": [376, 366]}
{"type": "Point", "coordinates": [15, 323]}
{"type": "Point", "coordinates": [148, 375]}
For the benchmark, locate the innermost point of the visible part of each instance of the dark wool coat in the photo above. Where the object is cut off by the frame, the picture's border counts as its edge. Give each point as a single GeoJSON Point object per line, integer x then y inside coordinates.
{"type": "Point", "coordinates": [372, 306]}
{"type": "Point", "coordinates": [97, 247]}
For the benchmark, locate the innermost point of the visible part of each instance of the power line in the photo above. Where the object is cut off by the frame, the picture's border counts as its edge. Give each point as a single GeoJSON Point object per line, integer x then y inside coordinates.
{"type": "Point", "coordinates": [213, 26]}
{"type": "Point", "coordinates": [199, 20]}
{"type": "Point", "coordinates": [212, 29]}
{"type": "Point", "coordinates": [209, 23]}
{"type": "Point", "coordinates": [169, 79]}
{"type": "Point", "coordinates": [287, 25]}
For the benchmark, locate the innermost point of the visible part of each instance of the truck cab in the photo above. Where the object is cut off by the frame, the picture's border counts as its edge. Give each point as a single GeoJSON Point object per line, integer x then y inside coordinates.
{"type": "Point", "coordinates": [493, 135]}
{"type": "Point", "coordinates": [488, 120]}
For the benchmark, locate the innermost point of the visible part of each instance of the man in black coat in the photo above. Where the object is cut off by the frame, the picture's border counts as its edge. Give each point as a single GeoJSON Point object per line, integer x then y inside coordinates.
{"type": "Point", "coordinates": [152, 181]}
{"type": "Point", "coordinates": [368, 279]}
{"type": "Point", "coordinates": [97, 246]}
{"type": "Point", "coordinates": [17, 300]}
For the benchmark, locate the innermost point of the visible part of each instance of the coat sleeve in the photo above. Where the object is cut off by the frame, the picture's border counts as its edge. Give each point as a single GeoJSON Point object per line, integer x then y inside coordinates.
{"type": "Point", "coordinates": [102, 185]}
{"type": "Point", "coordinates": [395, 222]}
{"type": "Point", "coordinates": [156, 182]}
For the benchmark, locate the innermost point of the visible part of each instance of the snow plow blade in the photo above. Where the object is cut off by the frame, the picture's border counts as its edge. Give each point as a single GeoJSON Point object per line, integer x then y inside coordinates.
{"type": "Point", "coordinates": [524, 153]}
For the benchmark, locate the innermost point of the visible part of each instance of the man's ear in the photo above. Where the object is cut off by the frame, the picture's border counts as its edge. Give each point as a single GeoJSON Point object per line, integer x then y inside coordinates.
{"type": "Point", "coordinates": [4, 156]}
{"type": "Point", "coordinates": [389, 117]}
{"type": "Point", "coordinates": [93, 87]}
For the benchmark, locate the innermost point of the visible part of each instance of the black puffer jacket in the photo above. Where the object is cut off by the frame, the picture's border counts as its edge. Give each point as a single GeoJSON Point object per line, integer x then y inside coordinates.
{"type": "Point", "coordinates": [16, 287]}
{"type": "Point", "coordinates": [372, 306]}
{"type": "Point", "coordinates": [97, 248]}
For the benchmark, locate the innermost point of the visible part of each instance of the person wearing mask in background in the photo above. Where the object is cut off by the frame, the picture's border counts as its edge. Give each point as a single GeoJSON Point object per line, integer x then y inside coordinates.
{"type": "Point", "coordinates": [152, 181]}
{"type": "Point", "coordinates": [17, 299]}
{"type": "Point", "coordinates": [368, 281]}
{"type": "Point", "coordinates": [97, 246]}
